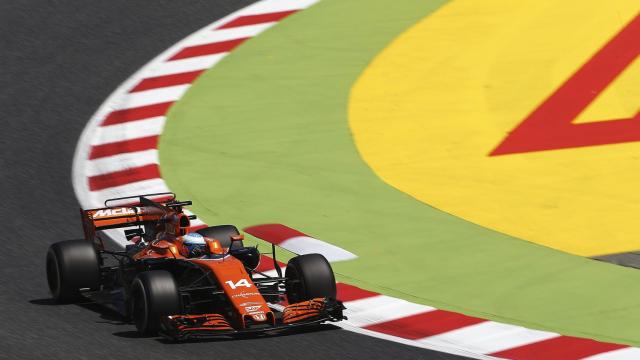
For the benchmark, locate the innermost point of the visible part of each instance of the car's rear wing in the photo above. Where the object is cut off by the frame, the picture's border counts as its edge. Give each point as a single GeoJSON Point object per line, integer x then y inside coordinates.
{"type": "Point", "coordinates": [142, 200]}
{"type": "Point", "coordinates": [130, 211]}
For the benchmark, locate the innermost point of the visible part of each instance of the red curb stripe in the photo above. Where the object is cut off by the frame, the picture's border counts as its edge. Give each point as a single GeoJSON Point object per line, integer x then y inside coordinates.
{"type": "Point", "coordinates": [348, 292]}
{"type": "Point", "coordinates": [266, 264]}
{"type": "Point", "coordinates": [207, 49]}
{"type": "Point", "coordinates": [137, 113]}
{"type": "Point", "coordinates": [560, 348]}
{"type": "Point", "coordinates": [273, 233]}
{"type": "Point", "coordinates": [424, 324]}
{"type": "Point", "coordinates": [167, 80]}
{"type": "Point", "coordinates": [550, 126]}
{"type": "Point", "coordinates": [122, 147]}
{"type": "Point", "coordinates": [256, 19]}
{"type": "Point", "coordinates": [124, 177]}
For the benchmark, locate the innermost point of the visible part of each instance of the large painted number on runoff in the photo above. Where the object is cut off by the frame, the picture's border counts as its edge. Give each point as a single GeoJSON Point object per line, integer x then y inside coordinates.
{"type": "Point", "coordinates": [241, 282]}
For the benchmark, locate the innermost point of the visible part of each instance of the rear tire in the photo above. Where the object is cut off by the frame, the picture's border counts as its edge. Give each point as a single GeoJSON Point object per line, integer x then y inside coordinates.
{"type": "Point", "coordinates": [71, 266]}
{"type": "Point", "coordinates": [154, 294]}
{"type": "Point", "coordinates": [222, 233]}
{"type": "Point", "coordinates": [309, 276]}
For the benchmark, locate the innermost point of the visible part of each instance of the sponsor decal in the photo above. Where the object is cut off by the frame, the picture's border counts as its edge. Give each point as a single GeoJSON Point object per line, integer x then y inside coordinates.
{"type": "Point", "coordinates": [245, 294]}
{"type": "Point", "coordinates": [249, 303]}
{"type": "Point", "coordinates": [259, 316]}
{"type": "Point", "coordinates": [252, 309]}
{"type": "Point", "coordinates": [114, 212]}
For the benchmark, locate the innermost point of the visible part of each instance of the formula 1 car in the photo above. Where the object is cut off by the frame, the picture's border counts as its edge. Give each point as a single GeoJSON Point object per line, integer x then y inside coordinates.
{"type": "Point", "coordinates": [182, 290]}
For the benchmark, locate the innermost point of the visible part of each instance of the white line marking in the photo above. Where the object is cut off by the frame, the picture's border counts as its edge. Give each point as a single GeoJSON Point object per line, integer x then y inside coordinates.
{"type": "Point", "coordinates": [489, 337]}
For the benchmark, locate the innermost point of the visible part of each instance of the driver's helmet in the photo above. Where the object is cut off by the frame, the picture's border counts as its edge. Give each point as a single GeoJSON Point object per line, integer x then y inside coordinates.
{"type": "Point", "coordinates": [194, 244]}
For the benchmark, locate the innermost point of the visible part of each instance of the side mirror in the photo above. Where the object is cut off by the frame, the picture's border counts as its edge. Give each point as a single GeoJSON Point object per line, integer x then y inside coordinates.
{"type": "Point", "coordinates": [214, 246]}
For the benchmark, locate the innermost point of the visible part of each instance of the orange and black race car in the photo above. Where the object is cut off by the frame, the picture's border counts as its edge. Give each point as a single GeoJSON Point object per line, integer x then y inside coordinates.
{"type": "Point", "coordinates": [183, 284]}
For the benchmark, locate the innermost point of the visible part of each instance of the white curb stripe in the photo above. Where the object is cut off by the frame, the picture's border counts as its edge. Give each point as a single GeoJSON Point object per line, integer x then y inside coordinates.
{"type": "Point", "coordinates": [150, 97]}
{"type": "Point", "coordinates": [489, 337]}
{"type": "Point", "coordinates": [184, 65]}
{"type": "Point", "coordinates": [381, 308]}
{"type": "Point", "coordinates": [241, 32]}
{"type": "Point", "coordinates": [308, 245]}
{"type": "Point", "coordinates": [128, 130]}
{"type": "Point", "coordinates": [298, 242]}
{"type": "Point", "coordinates": [270, 6]}
{"type": "Point", "coordinates": [424, 345]}
{"type": "Point", "coordinates": [121, 162]}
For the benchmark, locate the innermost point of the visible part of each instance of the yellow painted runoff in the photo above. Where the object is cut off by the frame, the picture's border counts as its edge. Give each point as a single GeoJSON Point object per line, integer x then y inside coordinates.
{"type": "Point", "coordinates": [431, 107]}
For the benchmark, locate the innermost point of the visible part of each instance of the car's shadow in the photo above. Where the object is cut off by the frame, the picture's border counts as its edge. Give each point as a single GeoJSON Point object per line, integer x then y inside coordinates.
{"type": "Point", "coordinates": [106, 314]}
{"type": "Point", "coordinates": [112, 317]}
{"type": "Point", "coordinates": [130, 334]}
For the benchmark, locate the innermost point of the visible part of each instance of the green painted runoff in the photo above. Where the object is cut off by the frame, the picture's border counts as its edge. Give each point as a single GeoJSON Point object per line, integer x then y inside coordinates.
{"type": "Point", "coordinates": [263, 137]}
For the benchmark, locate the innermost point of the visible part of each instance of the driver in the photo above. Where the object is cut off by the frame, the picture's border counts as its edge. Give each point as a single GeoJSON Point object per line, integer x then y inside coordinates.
{"type": "Point", "coordinates": [194, 245]}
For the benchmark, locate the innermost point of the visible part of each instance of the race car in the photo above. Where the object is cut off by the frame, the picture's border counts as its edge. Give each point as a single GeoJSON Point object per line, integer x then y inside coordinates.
{"type": "Point", "coordinates": [184, 284]}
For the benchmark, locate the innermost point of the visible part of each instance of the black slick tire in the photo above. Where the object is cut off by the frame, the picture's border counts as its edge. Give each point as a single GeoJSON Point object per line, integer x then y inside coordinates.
{"type": "Point", "coordinates": [309, 276]}
{"type": "Point", "coordinates": [154, 294]}
{"type": "Point", "coordinates": [71, 266]}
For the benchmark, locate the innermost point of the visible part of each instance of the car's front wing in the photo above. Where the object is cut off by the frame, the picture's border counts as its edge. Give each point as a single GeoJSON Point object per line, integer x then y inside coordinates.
{"type": "Point", "coordinates": [204, 326]}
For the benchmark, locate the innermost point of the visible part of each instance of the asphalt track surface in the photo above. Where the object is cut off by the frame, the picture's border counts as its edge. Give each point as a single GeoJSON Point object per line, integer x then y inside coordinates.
{"type": "Point", "coordinates": [58, 61]}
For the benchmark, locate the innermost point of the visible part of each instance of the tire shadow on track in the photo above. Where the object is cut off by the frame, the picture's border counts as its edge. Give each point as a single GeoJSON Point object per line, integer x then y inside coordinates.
{"type": "Point", "coordinates": [110, 316]}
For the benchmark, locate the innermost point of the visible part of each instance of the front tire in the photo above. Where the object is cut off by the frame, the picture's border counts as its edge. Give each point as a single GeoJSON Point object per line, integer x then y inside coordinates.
{"type": "Point", "coordinates": [71, 266]}
{"type": "Point", "coordinates": [309, 276]}
{"type": "Point", "coordinates": [154, 294]}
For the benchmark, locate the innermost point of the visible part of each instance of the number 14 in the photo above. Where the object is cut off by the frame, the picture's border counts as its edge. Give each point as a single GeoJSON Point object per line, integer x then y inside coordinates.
{"type": "Point", "coordinates": [241, 282]}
